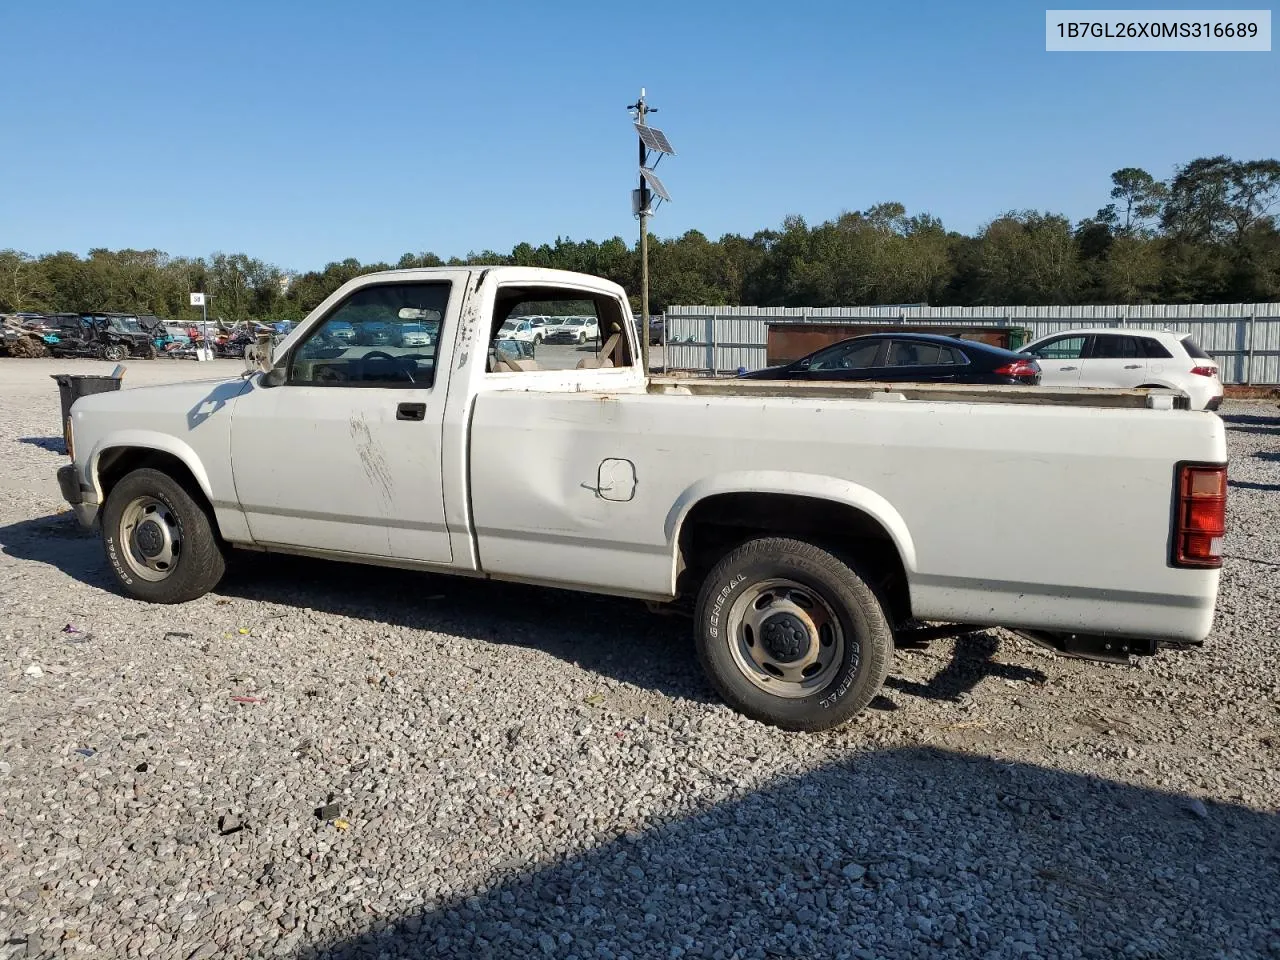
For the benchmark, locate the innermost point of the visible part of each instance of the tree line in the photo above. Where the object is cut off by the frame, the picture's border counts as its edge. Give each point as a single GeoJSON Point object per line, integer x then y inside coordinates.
{"type": "Point", "coordinates": [1208, 234]}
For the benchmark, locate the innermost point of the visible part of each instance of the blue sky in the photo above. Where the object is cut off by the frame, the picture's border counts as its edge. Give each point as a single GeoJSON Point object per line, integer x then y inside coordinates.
{"type": "Point", "coordinates": [303, 132]}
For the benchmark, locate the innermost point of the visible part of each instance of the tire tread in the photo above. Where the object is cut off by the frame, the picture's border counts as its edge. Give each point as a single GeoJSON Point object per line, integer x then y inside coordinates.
{"type": "Point", "coordinates": [876, 646]}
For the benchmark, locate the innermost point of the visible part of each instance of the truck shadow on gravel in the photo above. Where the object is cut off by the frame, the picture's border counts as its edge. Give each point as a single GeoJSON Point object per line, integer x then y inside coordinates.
{"type": "Point", "coordinates": [1251, 485]}
{"type": "Point", "coordinates": [972, 662]}
{"type": "Point", "coordinates": [51, 444]}
{"type": "Point", "coordinates": [615, 637]}
{"type": "Point", "coordinates": [1251, 423]}
{"type": "Point", "coordinates": [59, 541]}
{"type": "Point", "coordinates": [902, 853]}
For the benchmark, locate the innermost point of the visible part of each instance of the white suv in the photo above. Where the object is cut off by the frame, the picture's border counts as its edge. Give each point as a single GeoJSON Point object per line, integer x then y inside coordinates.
{"type": "Point", "coordinates": [1128, 358]}
{"type": "Point", "coordinates": [521, 329]}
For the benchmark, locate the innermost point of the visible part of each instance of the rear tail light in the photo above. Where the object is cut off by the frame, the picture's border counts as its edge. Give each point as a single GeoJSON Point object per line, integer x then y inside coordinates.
{"type": "Point", "coordinates": [1201, 518]}
{"type": "Point", "coordinates": [1018, 368]}
{"type": "Point", "coordinates": [1205, 371]}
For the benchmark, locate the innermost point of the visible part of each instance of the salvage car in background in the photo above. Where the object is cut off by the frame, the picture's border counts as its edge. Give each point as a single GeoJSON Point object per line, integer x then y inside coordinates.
{"type": "Point", "coordinates": [575, 330]}
{"type": "Point", "coordinates": [1108, 357]}
{"type": "Point", "coordinates": [105, 336]}
{"type": "Point", "coordinates": [914, 357]}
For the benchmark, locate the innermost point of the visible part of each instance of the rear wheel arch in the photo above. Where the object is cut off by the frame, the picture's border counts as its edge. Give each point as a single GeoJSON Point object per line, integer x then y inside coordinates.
{"type": "Point", "coordinates": [714, 525]}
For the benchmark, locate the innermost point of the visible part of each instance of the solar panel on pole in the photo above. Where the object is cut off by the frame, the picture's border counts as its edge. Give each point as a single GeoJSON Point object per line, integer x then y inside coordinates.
{"type": "Point", "coordinates": [655, 184]}
{"type": "Point", "coordinates": [654, 139]}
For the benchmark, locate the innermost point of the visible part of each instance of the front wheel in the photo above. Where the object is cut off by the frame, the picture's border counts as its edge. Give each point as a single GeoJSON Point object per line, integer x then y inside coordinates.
{"type": "Point", "coordinates": [115, 352]}
{"type": "Point", "coordinates": [791, 635]}
{"type": "Point", "coordinates": [159, 540]}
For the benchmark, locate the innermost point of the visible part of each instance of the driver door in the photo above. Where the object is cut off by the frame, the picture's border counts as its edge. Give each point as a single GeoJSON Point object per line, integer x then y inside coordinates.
{"type": "Point", "coordinates": [1061, 359]}
{"type": "Point", "coordinates": [344, 455]}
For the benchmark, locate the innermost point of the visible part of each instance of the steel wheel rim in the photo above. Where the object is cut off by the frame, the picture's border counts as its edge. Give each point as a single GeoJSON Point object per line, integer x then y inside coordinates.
{"type": "Point", "coordinates": [785, 638]}
{"type": "Point", "coordinates": [116, 352]}
{"type": "Point", "coordinates": [151, 538]}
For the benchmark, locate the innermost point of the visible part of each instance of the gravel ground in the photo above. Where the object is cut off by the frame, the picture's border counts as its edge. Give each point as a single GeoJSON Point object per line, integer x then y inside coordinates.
{"type": "Point", "coordinates": [527, 773]}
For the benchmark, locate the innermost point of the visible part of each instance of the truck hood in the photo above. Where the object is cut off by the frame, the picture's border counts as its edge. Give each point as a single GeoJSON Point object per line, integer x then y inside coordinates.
{"type": "Point", "coordinates": [175, 409]}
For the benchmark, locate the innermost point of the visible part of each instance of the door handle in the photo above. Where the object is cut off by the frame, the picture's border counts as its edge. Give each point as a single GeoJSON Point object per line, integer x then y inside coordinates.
{"type": "Point", "coordinates": [1132, 366]}
{"type": "Point", "coordinates": [1066, 368]}
{"type": "Point", "coordinates": [411, 411]}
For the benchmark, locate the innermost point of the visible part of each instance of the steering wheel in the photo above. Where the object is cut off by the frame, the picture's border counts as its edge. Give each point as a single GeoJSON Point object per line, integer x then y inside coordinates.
{"type": "Point", "coordinates": [401, 365]}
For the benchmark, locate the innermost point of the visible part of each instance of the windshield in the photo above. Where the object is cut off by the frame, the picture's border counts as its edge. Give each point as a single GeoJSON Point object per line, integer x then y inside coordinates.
{"type": "Point", "coordinates": [508, 326]}
{"type": "Point", "coordinates": [575, 321]}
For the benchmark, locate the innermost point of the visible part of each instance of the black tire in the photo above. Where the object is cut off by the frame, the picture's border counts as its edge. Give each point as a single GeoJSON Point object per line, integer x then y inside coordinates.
{"type": "Point", "coordinates": [857, 671]}
{"type": "Point", "coordinates": [115, 352]}
{"type": "Point", "coordinates": [199, 564]}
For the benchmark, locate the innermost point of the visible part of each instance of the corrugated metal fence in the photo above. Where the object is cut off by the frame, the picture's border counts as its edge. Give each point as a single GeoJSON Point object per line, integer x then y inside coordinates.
{"type": "Point", "coordinates": [1243, 337]}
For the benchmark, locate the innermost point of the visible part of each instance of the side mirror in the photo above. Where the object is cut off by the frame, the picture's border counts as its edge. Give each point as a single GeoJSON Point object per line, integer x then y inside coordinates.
{"type": "Point", "coordinates": [804, 364]}
{"type": "Point", "coordinates": [273, 377]}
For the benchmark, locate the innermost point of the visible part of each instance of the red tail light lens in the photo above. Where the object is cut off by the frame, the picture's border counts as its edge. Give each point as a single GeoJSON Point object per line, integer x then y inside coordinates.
{"type": "Point", "coordinates": [1205, 371]}
{"type": "Point", "coordinates": [1201, 519]}
{"type": "Point", "coordinates": [1019, 368]}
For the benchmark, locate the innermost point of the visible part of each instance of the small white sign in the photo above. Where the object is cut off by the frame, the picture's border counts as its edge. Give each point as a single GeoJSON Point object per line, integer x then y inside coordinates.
{"type": "Point", "coordinates": [197, 299]}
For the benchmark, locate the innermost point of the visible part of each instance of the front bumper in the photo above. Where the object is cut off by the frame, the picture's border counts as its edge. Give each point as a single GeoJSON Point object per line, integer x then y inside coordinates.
{"type": "Point", "coordinates": [80, 499]}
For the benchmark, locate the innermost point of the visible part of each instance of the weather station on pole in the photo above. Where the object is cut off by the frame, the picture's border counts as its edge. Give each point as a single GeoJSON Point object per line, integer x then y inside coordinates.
{"type": "Point", "coordinates": [652, 141]}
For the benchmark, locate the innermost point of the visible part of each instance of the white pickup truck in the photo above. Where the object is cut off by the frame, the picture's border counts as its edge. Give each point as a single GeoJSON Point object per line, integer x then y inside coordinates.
{"type": "Point", "coordinates": [813, 523]}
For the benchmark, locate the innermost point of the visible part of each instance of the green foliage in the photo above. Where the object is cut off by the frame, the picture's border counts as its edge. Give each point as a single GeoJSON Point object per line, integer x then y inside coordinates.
{"type": "Point", "coordinates": [1208, 235]}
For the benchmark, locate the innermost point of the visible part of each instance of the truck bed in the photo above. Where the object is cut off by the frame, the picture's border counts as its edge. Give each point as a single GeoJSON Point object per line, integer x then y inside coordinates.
{"type": "Point", "coordinates": [955, 392]}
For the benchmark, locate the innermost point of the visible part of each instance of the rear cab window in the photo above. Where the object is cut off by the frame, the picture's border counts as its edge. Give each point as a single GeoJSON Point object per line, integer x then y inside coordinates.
{"type": "Point", "coordinates": [538, 328]}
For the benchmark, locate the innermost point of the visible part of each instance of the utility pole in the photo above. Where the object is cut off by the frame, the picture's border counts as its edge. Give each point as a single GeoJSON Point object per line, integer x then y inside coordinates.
{"type": "Point", "coordinates": [650, 138]}
{"type": "Point", "coordinates": [642, 109]}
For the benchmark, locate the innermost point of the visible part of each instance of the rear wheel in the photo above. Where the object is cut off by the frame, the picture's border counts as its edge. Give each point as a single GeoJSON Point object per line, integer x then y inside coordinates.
{"type": "Point", "coordinates": [159, 539]}
{"type": "Point", "coordinates": [115, 352]}
{"type": "Point", "coordinates": [792, 635]}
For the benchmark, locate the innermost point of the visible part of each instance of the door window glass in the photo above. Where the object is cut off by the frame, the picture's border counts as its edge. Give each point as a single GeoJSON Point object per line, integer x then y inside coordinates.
{"type": "Point", "coordinates": [907, 353]}
{"type": "Point", "coordinates": [1064, 348]}
{"type": "Point", "coordinates": [847, 356]}
{"type": "Point", "coordinates": [1115, 348]}
{"type": "Point", "coordinates": [380, 336]}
